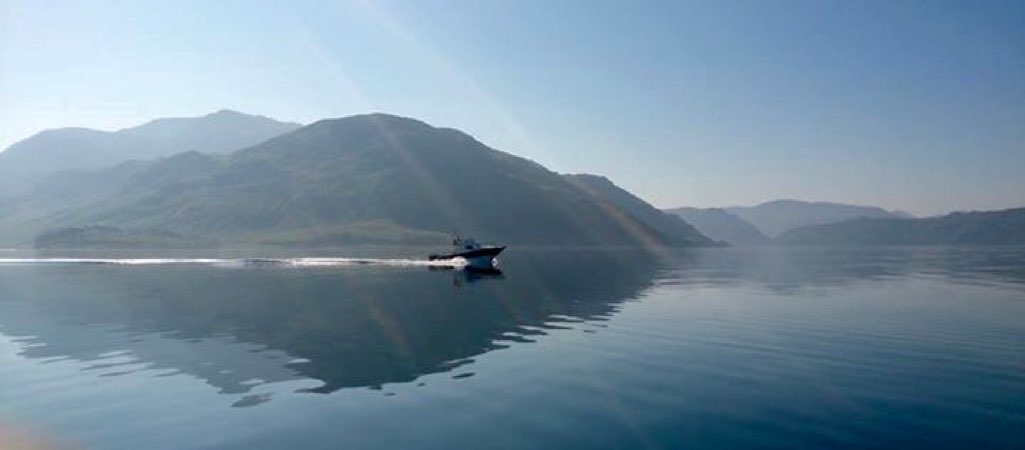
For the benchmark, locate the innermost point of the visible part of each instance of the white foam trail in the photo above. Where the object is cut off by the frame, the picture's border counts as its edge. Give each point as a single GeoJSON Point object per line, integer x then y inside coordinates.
{"type": "Point", "coordinates": [117, 261]}
{"type": "Point", "coordinates": [315, 262]}
{"type": "Point", "coordinates": [238, 262]}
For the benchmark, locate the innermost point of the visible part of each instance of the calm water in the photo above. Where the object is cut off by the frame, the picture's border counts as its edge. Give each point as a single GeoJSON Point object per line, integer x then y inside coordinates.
{"type": "Point", "coordinates": [771, 348]}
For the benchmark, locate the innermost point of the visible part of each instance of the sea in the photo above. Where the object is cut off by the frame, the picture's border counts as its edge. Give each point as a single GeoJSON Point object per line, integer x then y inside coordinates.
{"type": "Point", "coordinates": [562, 348]}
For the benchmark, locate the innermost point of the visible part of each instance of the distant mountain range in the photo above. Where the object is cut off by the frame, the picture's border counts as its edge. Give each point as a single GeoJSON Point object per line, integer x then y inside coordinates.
{"type": "Point", "coordinates": [55, 150]}
{"type": "Point", "coordinates": [360, 179]}
{"type": "Point", "coordinates": [722, 225]}
{"type": "Point", "coordinates": [778, 216]}
{"type": "Point", "coordinates": [759, 224]}
{"type": "Point", "coordinates": [839, 224]}
{"type": "Point", "coordinates": [963, 228]}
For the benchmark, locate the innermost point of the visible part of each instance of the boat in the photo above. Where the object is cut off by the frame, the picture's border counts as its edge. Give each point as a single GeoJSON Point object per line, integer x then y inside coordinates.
{"type": "Point", "coordinates": [475, 254]}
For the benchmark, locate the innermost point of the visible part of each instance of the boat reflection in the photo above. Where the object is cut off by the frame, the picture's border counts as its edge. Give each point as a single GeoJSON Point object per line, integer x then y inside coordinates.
{"type": "Point", "coordinates": [469, 274]}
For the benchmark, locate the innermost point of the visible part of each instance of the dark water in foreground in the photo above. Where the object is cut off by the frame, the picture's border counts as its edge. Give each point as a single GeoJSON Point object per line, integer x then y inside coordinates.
{"type": "Point", "coordinates": [771, 348]}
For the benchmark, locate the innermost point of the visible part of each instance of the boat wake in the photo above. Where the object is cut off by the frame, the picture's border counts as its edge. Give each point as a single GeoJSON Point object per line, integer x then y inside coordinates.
{"type": "Point", "coordinates": [243, 262]}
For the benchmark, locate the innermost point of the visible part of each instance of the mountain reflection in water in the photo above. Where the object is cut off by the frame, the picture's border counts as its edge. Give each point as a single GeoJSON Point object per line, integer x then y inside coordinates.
{"type": "Point", "coordinates": [239, 328]}
{"type": "Point", "coordinates": [801, 348]}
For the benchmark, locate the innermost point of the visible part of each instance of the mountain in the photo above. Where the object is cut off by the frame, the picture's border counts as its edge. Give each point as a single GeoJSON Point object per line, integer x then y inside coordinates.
{"type": "Point", "coordinates": [52, 151]}
{"type": "Point", "coordinates": [963, 228]}
{"type": "Point", "coordinates": [775, 217]}
{"type": "Point", "coordinates": [110, 237]}
{"type": "Point", "coordinates": [721, 225]}
{"type": "Point", "coordinates": [368, 178]}
{"type": "Point", "coordinates": [679, 231]}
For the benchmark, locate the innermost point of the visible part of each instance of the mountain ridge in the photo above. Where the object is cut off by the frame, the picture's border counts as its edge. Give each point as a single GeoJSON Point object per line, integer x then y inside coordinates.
{"type": "Point", "coordinates": [775, 217]}
{"type": "Point", "coordinates": [75, 148]}
{"type": "Point", "coordinates": [337, 181]}
{"type": "Point", "coordinates": [667, 224]}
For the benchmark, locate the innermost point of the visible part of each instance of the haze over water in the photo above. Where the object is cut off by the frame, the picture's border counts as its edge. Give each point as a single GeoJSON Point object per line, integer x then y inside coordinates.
{"type": "Point", "coordinates": [718, 348]}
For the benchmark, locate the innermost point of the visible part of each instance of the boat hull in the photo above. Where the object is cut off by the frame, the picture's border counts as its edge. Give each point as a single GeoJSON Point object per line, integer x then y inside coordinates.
{"type": "Point", "coordinates": [481, 257]}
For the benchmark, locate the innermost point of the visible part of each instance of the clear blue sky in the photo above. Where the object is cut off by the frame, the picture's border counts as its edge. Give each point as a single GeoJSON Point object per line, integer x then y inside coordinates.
{"type": "Point", "coordinates": [911, 105]}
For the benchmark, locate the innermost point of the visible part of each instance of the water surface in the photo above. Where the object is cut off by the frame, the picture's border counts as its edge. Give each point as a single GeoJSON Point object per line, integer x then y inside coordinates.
{"type": "Point", "coordinates": [719, 348]}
